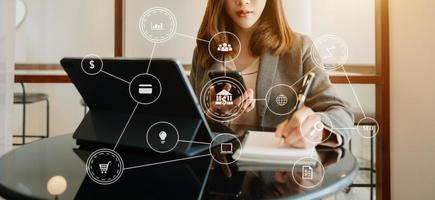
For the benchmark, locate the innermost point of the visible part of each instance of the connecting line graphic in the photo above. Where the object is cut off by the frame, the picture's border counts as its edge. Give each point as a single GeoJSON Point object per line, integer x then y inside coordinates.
{"type": "Point", "coordinates": [312, 152]}
{"type": "Point", "coordinates": [115, 77]}
{"type": "Point", "coordinates": [151, 57]}
{"type": "Point", "coordinates": [125, 127]}
{"type": "Point", "coordinates": [195, 142]}
{"type": "Point", "coordinates": [191, 37]}
{"type": "Point", "coordinates": [354, 94]}
{"type": "Point", "coordinates": [225, 67]}
{"type": "Point", "coordinates": [169, 161]}
{"type": "Point", "coordinates": [344, 128]}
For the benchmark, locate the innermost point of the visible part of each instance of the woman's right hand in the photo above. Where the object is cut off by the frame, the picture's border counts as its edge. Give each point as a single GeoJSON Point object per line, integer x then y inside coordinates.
{"type": "Point", "coordinates": [246, 100]}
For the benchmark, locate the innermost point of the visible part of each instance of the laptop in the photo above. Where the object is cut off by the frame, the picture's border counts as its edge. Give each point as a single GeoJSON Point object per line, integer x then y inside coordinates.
{"type": "Point", "coordinates": [115, 111]}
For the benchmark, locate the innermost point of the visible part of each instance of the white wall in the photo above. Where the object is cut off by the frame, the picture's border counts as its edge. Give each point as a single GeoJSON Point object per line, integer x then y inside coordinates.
{"type": "Point", "coordinates": [352, 20]}
{"type": "Point", "coordinates": [7, 37]}
{"type": "Point", "coordinates": [412, 47]}
{"type": "Point", "coordinates": [54, 29]}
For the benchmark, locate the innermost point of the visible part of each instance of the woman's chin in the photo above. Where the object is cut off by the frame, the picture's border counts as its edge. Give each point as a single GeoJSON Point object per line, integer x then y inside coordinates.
{"type": "Point", "coordinates": [245, 24]}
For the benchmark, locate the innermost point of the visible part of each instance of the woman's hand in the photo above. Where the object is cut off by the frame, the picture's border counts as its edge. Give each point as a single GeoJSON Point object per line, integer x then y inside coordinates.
{"type": "Point", "coordinates": [246, 100]}
{"type": "Point", "coordinates": [303, 130]}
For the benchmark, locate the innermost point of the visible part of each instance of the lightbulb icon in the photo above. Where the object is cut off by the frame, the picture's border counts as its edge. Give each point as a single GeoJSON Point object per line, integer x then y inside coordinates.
{"type": "Point", "coordinates": [162, 136]}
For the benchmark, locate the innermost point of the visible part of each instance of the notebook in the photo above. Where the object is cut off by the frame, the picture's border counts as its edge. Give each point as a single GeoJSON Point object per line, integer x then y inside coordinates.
{"type": "Point", "coordinates": [260, 148]}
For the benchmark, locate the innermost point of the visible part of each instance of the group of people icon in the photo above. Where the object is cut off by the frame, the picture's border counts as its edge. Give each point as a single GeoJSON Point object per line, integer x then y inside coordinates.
{"type": "Point", "coordinates": [224, 47]}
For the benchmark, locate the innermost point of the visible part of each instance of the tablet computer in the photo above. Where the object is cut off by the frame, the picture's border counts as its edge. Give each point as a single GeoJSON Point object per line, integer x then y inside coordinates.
{"type": "Point", "coordinates": [137, 104]}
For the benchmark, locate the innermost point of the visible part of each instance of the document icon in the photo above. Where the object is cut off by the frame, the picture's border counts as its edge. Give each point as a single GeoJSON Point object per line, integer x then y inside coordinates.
{"type": "Point", "coordinates": [145, 89]}
{"type": "Point", "coordinates": [307, 172]}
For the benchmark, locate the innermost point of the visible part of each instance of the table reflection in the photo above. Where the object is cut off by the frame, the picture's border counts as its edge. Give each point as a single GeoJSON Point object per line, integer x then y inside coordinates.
{"type": "Point", "coordinates": [272, 183]}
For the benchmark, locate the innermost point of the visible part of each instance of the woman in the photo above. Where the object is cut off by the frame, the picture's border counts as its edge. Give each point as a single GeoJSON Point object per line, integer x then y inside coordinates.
{"type": "Point", "coordinates": [270, 54]}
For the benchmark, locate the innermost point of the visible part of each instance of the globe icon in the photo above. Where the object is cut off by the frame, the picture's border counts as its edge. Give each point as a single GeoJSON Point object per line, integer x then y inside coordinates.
{"type": "Point", "coordinates": [281, 100]}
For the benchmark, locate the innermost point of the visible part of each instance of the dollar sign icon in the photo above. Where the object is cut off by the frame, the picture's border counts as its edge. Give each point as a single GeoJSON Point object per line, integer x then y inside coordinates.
{"type": "Point", "coordinates": [91, 63]}
{"type": "Point", "coordinates": [224, 101]}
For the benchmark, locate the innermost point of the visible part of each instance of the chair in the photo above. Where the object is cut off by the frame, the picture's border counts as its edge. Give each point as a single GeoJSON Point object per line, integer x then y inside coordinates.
{"type": "Point", "coordinates": [371, 169]}
{"type": "Point", "coordinates": [30, 98]}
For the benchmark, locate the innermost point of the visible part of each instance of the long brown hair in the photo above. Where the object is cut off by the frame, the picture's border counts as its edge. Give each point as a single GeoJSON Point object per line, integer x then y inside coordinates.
{"type": "Point", "coordinates": [272, 32]}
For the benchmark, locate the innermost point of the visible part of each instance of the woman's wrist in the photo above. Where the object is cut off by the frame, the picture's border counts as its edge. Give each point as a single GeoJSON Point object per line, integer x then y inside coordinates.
{"type": "Point", "coordinates": [330, 139]}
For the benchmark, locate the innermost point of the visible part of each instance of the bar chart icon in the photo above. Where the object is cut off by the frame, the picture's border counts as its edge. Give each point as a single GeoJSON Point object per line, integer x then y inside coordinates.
{"type": "Point", "coordinates": [145, 88]}
{"type": "Point", "coordinates": [157, 27]}
{"type": "Point", "coordinates": [369, 128]}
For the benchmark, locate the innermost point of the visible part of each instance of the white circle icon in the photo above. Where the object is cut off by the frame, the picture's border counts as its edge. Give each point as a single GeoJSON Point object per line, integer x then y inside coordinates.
{"type": "Point", "coordinates": [162, 137]}
{"type": "Point", "coordinates": [104, 166]}
{"type": "Point", "coordinates": [92, 64]}
{"type": "Point", "coordinates": [225, 148]}
{"type": "Point", "coordinates": [319, 126]}
{"type": "Point", "coordinates": [282, 98]}
{"type": "Point", "coordinates": [233, 99]}
{"type": "Point", "coordinates": [219, 51]}
{"type": "Point", "coordinates": [158, 24]}
{"type": "Point", "coordinates": [308, 172]}
{"type": "Point", "coordinates": [332, 52]}
{"type": "Point", "coordinates": [145, 88]}
{"type": "Point", "coordinates": [368, 127]}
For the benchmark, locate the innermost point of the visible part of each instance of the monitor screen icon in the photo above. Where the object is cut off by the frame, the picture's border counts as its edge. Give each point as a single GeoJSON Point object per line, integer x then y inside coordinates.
{"type": "Point", "coordinates": [226, 148]}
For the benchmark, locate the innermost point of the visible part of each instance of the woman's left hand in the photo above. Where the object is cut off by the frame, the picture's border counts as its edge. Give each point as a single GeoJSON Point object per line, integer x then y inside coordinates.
{"type": "Point", "coordinates": [302, 130]}
{"type": "Point", "coordinates": [249, 100]}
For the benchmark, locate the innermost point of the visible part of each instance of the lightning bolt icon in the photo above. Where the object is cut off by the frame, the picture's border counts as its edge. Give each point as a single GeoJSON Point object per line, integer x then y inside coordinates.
{"type": "Point", "coordinates": [329, 52]}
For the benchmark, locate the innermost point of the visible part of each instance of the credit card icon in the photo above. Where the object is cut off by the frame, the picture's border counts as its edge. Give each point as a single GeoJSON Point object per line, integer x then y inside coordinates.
{"type": "Point", "coordinates": [145, 89]}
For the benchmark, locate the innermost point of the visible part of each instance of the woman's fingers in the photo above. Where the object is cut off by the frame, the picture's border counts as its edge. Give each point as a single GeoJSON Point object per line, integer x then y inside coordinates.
{"type": "Point", "coordinates": [294, 123]}
{"type": "Point", "coordinates": [227, 87]}
{"type": "Point", "coordinates": [249, 100]}
{"type": "Point", "coordinates": [241, 99]}
{"type": "Point", "coordinates": [212, 93]}
{"type": "Point", "coordinates": [279, 132]}
{"type": "Point", "coordinates": [309, 132]}
{"type": "Point", "coordinates": [292, 129]}
{"type": "Point", "coordinates": [245, 102]}
{"type": "Point", "coordinates": [299, 116]}
{"type": "Point", "coordinates": [251, 106]}
{"type": "Point", "coordinates": [212, 98]}
{"type": "Point", "coordinates": [295, 140]}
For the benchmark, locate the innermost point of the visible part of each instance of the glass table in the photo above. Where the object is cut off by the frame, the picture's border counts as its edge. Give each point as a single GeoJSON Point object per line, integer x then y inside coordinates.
{"type": "Point", "coordinates": [54, 168]}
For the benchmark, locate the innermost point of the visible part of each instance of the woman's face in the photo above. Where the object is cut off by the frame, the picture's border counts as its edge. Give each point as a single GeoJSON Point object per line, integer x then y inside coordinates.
{"type": "Point", "coordinates": [244, 13]}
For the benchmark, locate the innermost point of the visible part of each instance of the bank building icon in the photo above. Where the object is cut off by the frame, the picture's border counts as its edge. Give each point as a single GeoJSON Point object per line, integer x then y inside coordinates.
{"type": "Point", "coordinates": [224, 98]}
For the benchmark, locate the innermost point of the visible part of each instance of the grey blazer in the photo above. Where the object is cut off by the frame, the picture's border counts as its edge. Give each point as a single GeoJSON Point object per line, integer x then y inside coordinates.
{"type": "Point", "coordinates": [289, 69]}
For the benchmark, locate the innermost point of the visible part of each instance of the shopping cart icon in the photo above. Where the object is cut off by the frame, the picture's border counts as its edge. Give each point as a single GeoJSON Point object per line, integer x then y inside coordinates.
{"type": "Point", "coordinates": [104, 167]}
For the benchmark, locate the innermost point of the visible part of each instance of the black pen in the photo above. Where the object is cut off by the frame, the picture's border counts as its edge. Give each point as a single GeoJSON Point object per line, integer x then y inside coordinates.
{"type": "Point", "coordinates": [303, 92]}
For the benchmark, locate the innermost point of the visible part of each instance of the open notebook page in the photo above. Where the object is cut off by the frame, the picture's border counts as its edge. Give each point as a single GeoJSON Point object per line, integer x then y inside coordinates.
{"type": "Point", "coordinates": [264, 147]}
